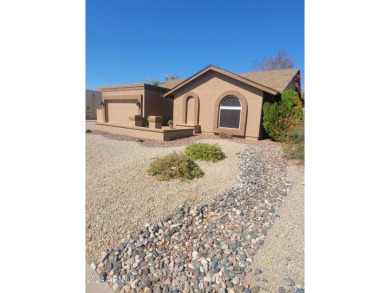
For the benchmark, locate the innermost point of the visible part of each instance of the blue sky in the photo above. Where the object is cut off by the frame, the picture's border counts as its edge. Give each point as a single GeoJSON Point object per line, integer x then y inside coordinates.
{"type": "Point", "coordinates": [133, 41]}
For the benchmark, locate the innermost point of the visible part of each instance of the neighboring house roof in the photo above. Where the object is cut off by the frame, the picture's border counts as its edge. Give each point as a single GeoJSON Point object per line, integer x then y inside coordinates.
{"type": "Point", "coordinates": [275, 79]}
{"type": "Point", "coordinates": [119, 87]}
{"type": "Point", "coordinates": [169, 84]}
{"type": "Point", "coordinates": [130, 86]}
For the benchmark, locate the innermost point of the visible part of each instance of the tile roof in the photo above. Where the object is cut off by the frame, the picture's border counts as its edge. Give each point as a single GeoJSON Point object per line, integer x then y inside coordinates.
{"type": "Point", "coordinates": [275, 79]}
{"type": "Point", "coordinates": [170, 84]}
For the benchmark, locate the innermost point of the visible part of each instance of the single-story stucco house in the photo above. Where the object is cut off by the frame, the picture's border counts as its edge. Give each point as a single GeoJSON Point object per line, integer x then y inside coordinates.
{"type": "Point", "coordinates": [212, 101]}
{"type": "Point", "coordinates": [121, 101]}
{"type": "Point", "coordinates": [218, 101]}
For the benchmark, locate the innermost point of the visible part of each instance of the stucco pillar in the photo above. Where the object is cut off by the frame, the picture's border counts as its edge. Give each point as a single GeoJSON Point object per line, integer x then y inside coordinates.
{"type": "Point", "coordinates": [155, 122]}
{"type": "Point", "coordinates": [135, 120]}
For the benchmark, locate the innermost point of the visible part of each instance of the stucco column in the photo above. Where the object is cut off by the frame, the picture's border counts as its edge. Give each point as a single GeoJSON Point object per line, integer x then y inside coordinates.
{"type": "Point", "coordinates": [135, 120]}
{"type": "Point", "coordinates": [155, 122]}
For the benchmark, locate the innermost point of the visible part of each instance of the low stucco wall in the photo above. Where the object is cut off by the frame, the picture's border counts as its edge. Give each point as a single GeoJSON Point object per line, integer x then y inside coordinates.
{"type": "Point", "coordinates": [147, 133]}
{"type": "Point", "coordinates": [172, 134]}
{"type": "Point", "coordinates": [196, 128]}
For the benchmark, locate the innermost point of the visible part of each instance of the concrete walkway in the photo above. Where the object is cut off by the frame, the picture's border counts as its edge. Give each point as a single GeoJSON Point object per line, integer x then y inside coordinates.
{"type": "Point", "coordinates": [95, 287]}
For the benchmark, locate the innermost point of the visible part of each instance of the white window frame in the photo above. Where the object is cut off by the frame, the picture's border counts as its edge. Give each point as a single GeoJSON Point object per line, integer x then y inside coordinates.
{"type": "Point", "coordinates": [229, 108]}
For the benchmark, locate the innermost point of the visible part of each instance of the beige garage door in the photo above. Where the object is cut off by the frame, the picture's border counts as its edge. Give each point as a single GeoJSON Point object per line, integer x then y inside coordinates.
{"type": "Point", "coordinates": [118, 111]}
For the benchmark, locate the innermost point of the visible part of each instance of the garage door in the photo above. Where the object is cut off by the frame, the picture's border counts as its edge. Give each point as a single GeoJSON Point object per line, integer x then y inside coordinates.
{"type": "Point", "coordinates": [118, 111]}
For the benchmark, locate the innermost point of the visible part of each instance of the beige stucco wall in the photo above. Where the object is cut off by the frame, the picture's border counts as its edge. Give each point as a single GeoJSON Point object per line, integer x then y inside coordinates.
{"type": "Point", "coordinates": [92, 101]}
{"type": "Point", "coordinates": [209, 87]}
{"type": "Point", "coordinates": [152, 103]}
{"type": "Point", "coordinates": [122, 94]}
{"type": "Point", "coordinates": [99, 115]}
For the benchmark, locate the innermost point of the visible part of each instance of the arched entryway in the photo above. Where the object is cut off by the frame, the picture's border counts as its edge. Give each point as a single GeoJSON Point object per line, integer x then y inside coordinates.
{"type": "Point", "coordinates": [191, 109]}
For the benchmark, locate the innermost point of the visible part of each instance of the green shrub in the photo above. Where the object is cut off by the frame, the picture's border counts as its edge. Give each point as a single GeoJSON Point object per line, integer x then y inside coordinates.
{"type": "Point", "coordinates": [88, 131]}
{"type": "Point", "coordinates": [174, 166]}
{"type": "Point", "coordinates": [170, 121]}
{"type": "Point", "coordinates": [294, 143]}
{"type": "Point", "coordinates": [204, 152]}
{"type": "Point", "coordinates": [280, 118]}
{"type": "Point", "coordinates": [139, 140]}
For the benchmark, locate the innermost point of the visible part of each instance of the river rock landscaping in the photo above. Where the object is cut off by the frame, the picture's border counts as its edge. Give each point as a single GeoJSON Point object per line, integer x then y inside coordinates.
{"type": "Point", "coordinates": [204, 247]}
{"type": "Point", "coordinates": [121, 197]}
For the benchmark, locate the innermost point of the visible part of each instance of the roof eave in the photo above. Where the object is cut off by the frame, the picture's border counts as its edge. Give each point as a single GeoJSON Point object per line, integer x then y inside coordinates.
{"type": "Point", "coordinates": [224, 72]}
{"type": "Point", "coordinates": [129, 87]}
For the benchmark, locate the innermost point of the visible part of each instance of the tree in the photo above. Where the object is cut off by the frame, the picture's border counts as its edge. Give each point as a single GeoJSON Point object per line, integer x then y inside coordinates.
{"type": "Point", "coordinates": [171, 76]}
{"type": "Point", "coordinates": [280, 61]}
{"type": "Point", "coordinates": [153, 81]}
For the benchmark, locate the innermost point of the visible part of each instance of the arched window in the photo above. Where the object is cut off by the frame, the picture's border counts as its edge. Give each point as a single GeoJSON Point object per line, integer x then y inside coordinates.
{"type": "Point", "coordinates": [230, 113]}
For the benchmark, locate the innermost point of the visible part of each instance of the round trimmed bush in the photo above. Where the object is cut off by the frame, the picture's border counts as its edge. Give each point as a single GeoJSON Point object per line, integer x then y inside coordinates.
{"type": "Point", "coordinates": [204, 152]}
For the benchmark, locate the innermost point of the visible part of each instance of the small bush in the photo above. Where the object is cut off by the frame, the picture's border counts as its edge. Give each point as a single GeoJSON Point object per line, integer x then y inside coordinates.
{"type": "Point", "coordinates": [88, 131]}
{"type": "Point", "coordinates": [139, 140]}
{"type": "Point", "coordinates": [294, 142]}
{"type": "Point", "coordinates": [170, 121]}
{"type": "Point", "coordinates": [281, 117]}
{"type": "Point", "coordinates": [174, 166]}
{"type": "Point", "coordinates": [204, 152]}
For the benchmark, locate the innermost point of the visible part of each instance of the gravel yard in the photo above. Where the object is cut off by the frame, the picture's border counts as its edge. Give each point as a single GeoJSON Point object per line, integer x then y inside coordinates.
{"type": "Point", "coordinates": [184, 141]}
{"type": "Point", "coordinates": [121, 197]}
{"type": "Point", "coordinates": [202, 244]}
{"type": "Point", "coordinates": [282, 257]}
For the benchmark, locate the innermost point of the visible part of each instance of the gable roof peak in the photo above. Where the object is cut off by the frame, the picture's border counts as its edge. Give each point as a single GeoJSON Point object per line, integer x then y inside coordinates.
{"type": "Point", "coordinates": [223, 72]}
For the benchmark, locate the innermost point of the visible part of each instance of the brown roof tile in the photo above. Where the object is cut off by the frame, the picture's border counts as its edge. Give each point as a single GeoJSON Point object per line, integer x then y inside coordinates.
{"type": "Point", "coordinates": [275, 79]}
{"type": "Point", "coordinates": [170, 84]}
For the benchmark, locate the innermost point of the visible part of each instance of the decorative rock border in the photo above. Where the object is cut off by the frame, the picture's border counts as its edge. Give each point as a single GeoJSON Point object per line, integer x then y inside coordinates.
{"type": "Point", "coordinates": [204, 248]}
